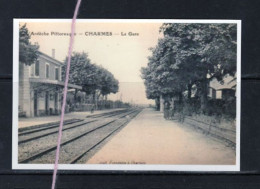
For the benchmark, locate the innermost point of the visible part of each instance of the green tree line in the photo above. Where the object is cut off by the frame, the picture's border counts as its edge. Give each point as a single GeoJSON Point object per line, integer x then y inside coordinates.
{"type": "Point", "coordinates": [190, 56]}
{"type": "Point", "coordinates": [94, 79]}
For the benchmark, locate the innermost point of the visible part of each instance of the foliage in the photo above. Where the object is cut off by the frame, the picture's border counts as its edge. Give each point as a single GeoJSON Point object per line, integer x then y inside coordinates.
{"type": "Point", "coordinates": [93, 78]}
{"type": "Point", "coordinates": [28, 53]}
{"type": "Point", "coordinates": [210, 47]}
{"type": "Point", "coordinates": [108, 84]}
{"type": "Point", "coordinates": [190, 55]}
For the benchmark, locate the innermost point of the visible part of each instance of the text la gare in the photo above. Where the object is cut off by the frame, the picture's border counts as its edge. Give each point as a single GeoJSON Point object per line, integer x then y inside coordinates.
{"type": "Point", "coordinates": [129, 34]}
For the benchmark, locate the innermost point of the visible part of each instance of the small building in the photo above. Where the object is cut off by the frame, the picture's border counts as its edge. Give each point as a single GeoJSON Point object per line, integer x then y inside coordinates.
{"type": "Point", "coordinates": [227, 93]}
{"type": "Point", "coordinates": [212, 93]}
{"type": "Point", "coordinates": [40, 87]}
{"type": "Point", "coordinates": [222, 90]}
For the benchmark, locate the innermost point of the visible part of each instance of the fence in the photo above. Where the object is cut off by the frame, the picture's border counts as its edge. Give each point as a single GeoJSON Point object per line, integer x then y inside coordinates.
{"type": "Point", "coordinates": [227, 135]}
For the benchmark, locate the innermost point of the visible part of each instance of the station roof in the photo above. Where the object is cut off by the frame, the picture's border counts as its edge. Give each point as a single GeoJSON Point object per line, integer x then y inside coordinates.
{"type": "Point", "coordinates": [229, 82]}
{"type": "Point", "coordinates": [54, 82]}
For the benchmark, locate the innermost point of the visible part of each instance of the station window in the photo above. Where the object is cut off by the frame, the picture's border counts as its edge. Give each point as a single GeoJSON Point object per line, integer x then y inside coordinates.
{"type": "Point", "coordinates": [37, 68]}
{"type": "Point", "coordinates": [57, 73]}
{"type": "Point", "coordinates": [32, 70]}
{"type": "Point", "coordinates": [47, 70]}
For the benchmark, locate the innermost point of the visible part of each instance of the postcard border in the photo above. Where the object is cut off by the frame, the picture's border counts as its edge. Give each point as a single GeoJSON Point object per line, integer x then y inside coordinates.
{"type": "Point", "coordinates": [98, 167]}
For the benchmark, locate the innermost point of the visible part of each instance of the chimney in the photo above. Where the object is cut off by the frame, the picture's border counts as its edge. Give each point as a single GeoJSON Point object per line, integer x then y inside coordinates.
{"type": "Point", "coordinates": [53, 53]}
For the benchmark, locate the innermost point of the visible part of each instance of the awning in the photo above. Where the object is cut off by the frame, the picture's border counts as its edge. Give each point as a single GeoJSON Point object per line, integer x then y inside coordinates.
{"type": "Point", "coordinates": [54, 82]}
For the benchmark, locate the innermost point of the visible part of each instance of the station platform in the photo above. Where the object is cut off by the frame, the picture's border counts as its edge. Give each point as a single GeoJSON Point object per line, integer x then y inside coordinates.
{"type": "Point", "coordinates": [27, 122]}
{"type": "Point", "coordinates": [150, 139]}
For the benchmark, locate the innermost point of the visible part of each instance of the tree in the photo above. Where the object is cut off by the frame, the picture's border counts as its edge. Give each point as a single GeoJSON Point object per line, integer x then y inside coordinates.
{"type": "Point", "coordinates": [28, 53]}
{"type": "Point", "coordinates": [208, 49]}
{"type": "Point", "coordinates": [95, 80]}
{"type": "Point", "coordinates": [162, 76]}
{"type": "Point", "coordinates": [82, 73]}
{"type": "Point", "coordinates": [152, 89]}
{"type": "Point", "coordinates": [188, 55]}
{"type": "Point", "coordinates": [105, 82]}
{"type": "Point", "coordinates": [108, 83]}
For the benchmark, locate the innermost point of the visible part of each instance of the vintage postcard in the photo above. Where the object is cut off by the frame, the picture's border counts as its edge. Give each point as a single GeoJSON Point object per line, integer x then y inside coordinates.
{"type": "Point", "coordinates": [143, 95]}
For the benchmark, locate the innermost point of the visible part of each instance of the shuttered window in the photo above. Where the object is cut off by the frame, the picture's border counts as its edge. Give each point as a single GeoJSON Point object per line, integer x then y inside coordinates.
{"type": "Point", "coordinates": [47, 70]}
{"type": "Point", "coordinates": [57, 73]}
{"type": "Point", "coordinates": [37, 68]}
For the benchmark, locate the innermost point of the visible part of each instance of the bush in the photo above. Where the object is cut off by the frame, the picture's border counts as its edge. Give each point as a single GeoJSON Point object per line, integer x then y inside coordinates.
{"type": "Point", "coordinates": [215, 107]}
{"type": "Point", "coordinates": [221, 107]}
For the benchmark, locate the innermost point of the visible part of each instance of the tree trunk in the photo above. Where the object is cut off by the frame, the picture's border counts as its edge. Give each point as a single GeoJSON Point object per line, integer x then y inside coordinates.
{"type": "Point", "coordinates": [204, 96]}
{"type": "Point", "coordinates": [75, 95]}
{"type": "Point", "coordinates": [157, 104]}
{"type": "Point", "coordinates": [180, 103]}
{"type": "Point", "coordinates": [189, 92]}
{"type": "Point", "coordinates": [94, 99]}
{"type": "Point", "coordinates": [180, 98]}
{"type": "Point", "coordinates": [102, 102]}
{"type": "Point", "coordinates": [98, 100]}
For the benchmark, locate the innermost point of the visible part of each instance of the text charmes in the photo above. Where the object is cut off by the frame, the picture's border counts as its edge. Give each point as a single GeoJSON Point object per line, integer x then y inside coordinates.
{"type": "Point", "coordinates": [89, 33]}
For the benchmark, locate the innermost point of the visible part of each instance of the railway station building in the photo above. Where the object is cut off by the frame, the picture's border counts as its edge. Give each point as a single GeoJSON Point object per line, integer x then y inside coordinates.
{"type": "Point", "coordinates": [40, 87]}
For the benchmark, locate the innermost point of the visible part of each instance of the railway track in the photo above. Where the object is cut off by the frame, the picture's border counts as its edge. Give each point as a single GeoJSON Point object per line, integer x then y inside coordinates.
{"type": "Point", "coordinates": [107, 114]}
{"type": "Point", "coordinates": [47, 154]}
{"type": "Point", "coordinates": [46, 126]}
{"type": "Point", "coordinates": [53, 129]}
{"type": "Point", "coordinates": [50, 132]}
{"type": "Point", "coordinates": [77, 158]}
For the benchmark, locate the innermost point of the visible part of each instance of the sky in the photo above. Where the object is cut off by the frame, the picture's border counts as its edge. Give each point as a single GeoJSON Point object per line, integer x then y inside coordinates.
{"type": "Point", "coordinates": [123, 50]}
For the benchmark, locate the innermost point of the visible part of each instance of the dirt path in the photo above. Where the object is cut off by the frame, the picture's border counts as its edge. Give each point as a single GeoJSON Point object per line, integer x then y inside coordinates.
{"type": "Point", "coordinates": [150, 139]}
